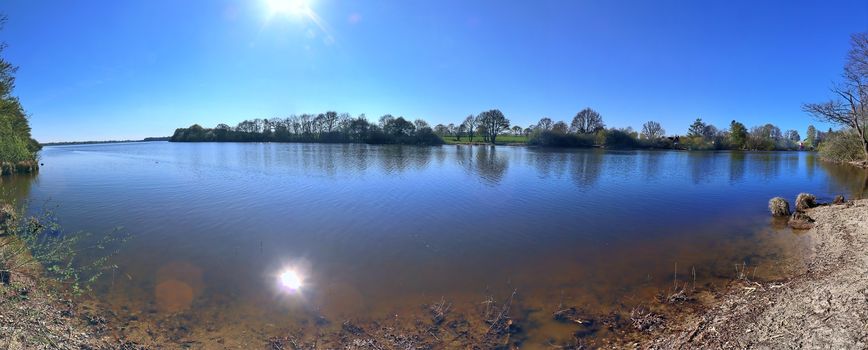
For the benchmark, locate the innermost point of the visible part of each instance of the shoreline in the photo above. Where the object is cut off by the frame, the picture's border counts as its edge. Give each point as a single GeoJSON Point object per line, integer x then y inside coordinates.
{"type": "Point", "coordinates": [818, 304]}
{"type": "Point", "coordinates": [823, 305]}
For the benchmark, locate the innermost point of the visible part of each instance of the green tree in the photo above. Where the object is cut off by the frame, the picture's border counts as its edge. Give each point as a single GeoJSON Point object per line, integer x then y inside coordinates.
{"type": "Point", "coordinates": [697, 129]}
{"type": "Point", "coordinates": [16, 143]}
{"type": "Point", "coordinates": [737, 134]}
{"type": "Point", "coordinates": [811, 137]}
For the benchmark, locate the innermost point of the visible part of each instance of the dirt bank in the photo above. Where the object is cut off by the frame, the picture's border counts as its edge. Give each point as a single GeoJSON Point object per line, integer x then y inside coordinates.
{"type": "Point", "coordinates": [824, 306]}
{"type": "Point", "coordinates": [32, 317]}
{"type": "Point", "coordinates": [34, 314]}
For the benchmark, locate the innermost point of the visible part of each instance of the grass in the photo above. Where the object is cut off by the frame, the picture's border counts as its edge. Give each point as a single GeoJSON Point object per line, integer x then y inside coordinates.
{"type": "Point", "coordinates": [501, 139]}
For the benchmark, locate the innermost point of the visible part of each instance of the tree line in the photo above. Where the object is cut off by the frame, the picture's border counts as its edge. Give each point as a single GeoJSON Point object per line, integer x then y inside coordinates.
{"type": "Point", "coordinates": [586, 129]}
{"type": "Point", "coordinates": [328, 127]}
{"type": "Point", "coordinates": [332, 127]}
{"type": "Point", "coordinates": [17, 147]}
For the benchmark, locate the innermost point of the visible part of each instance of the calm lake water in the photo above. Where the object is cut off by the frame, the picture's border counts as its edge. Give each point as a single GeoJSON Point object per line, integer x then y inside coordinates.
{"type": "Point", "coordinates": [378, 231]}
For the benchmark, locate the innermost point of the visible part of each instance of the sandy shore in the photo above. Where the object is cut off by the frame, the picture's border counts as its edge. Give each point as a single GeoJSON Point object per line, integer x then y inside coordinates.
{"type": "Point", "coordinates": [824, 306]}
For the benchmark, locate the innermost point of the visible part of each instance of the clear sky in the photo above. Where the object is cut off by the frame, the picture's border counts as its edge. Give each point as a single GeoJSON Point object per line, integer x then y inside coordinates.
{"type": "Point", "coordinates": [101, 70]}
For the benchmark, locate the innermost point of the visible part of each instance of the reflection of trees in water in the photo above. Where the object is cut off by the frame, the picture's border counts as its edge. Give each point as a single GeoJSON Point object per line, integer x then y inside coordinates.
{"type": "Point", "coordinates": [440, 155]}
{"type": "Point", "coordinates": [810, 164]}
{"type": "Point", "coordinates": [483, 161]}
{"type": "Point", "coordinates": [394, 159]}
{"type": "Point", "coordinates": [358, 156]}
{"type": "Point", "coordinates": [653, 164]}
{"type": "Point", "coordinates": [790, 161]}
{"type": "Point", "coordinates": [585, 168]}
{"type": "Point", "coordinates": [737, 162]}
{"type": "Point", "coordinates": [764, 165]}
{"type": "Point", "coordinates": [491, 166]}
{"type": "Point", "coordinates": [702, 166]}
{"type": "Point", "coordinates": [850, 178]}
{"type": "Point", "coordinates": [16, 189]}
{"type": "Point", "coordinates": [549, 163]}
{"type": "Point", "coordinates": [421, 155]}
{"type": "Point", "coordinates": [398, 158]}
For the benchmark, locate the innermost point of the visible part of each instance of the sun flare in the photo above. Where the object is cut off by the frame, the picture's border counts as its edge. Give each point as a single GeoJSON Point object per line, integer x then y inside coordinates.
{"type": "Point", "coordinates": [290, 280]}
{"type": "Point", "coordinates": [289, 7]}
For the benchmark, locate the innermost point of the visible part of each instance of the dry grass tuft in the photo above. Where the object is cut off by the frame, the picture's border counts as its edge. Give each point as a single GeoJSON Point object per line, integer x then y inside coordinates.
{"type": "Point", "coordinates": [779, 207]}
{"type": "Point", "coordinates": [805, 201]}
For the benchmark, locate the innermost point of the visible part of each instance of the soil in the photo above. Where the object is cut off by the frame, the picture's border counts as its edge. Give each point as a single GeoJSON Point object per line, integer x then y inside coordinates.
{"type": "Point", "coordinates": [824, 306]}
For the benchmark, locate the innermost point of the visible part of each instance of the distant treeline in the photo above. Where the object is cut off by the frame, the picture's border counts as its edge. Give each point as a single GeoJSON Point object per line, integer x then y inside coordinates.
{"type": "Point", "coordinates": [328, 127]}
{"type": "Point", "coordinates": [69, 143]}
{"type": "Point", "coordinates": [587, 130]}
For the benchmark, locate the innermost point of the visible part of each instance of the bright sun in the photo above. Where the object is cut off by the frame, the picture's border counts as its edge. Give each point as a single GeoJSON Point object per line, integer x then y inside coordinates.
{"type": "Point", "coordinates": [289, 7]}
{"type": "Point", "coordinates": [290, 280]}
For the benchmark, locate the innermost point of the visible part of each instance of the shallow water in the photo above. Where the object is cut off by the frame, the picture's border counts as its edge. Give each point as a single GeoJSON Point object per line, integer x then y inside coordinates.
{"type": "Point", "coordinates": [377, 231]}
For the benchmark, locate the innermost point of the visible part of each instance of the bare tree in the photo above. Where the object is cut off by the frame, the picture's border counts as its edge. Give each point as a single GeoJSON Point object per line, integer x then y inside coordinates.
{"type": "Point", "coordinates": [470, 124]}
{"type": "Point", "coordinates": [493, 122]}
{"type": "Point", "coordinates": [652, 130]}
{"type": "Point", "coordinates": [587, 121]}
{"type": "Point", "coordinates": [329, 121]}
{"type": "Point", "coordinates": [545, 124]}
{"type": "Point", "coordinates": [848, 107]}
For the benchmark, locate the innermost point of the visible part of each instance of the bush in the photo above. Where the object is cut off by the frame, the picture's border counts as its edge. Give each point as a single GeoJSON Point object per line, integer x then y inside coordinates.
{"type": "Point", "coordinates": [557, 139]}
{"type": "Point", "coordinates": [616, 138]}
{"type": "Point", "coordinates": [841, 146]}
{"type": "Point", "coordinates": [13, 147]}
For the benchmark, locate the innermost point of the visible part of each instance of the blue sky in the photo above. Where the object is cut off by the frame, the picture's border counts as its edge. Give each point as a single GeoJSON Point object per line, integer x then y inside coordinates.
{"type": "Point", "coordinates": [101, 70]}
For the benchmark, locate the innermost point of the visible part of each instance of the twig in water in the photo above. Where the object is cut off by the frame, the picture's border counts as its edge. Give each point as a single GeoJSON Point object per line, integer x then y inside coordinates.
{"type": "Point", "coordinates": [675, 277]}
{"type": "Point", "coordinates": [694, 278]}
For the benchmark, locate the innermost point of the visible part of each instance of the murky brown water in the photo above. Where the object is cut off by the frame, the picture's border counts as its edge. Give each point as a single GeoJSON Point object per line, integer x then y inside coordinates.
{"type": "Point", "coordinates": [377, 231]}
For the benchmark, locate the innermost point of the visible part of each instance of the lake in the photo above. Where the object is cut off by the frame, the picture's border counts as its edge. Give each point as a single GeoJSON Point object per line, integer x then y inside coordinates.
{"type": "Point", "coordinates": [379, 231]}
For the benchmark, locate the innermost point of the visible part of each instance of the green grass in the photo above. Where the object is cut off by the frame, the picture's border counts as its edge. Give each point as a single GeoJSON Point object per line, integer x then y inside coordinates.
{"type": "Point", "coordinates": [478, 139]}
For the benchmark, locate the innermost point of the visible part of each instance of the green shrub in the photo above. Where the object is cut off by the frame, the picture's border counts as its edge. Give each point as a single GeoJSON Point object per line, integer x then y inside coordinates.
{"type": "Point", "coordinates": [841, 146]}
{"type": "Point", "coordinates": [558, 139]}
{"type": "Point", "coordinates": [13, 148]}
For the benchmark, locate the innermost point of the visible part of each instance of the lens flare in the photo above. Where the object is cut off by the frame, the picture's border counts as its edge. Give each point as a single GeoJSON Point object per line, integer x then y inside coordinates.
{"type": "Point", "coordinates": [290, 280]}
{"type": "Point", "coordinates": [289, 7]}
